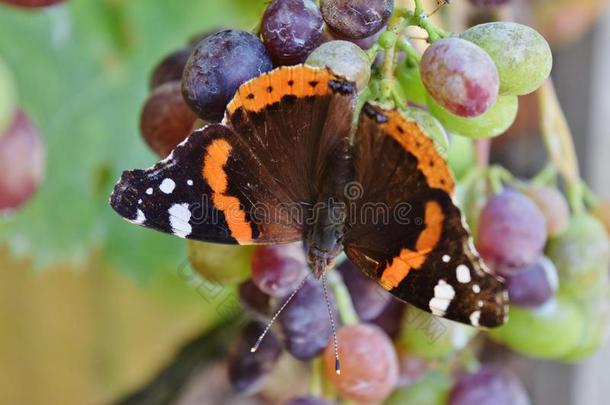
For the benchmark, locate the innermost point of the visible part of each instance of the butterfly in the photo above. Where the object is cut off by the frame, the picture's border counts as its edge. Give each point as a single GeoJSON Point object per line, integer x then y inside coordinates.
{"type": "Point", "coordinates": [293, 161]}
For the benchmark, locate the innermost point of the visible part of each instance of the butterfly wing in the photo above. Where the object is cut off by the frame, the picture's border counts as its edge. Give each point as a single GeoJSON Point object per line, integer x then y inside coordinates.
{"type": "Point", "coordinates": [244, 181]}
{"type": "Point", "coordinates": [407, 233]}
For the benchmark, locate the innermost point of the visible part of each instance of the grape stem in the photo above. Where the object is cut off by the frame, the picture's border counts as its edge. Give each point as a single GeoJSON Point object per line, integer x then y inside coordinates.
{"type": "Point", "coordinates": [315, 378]}
{"type": "Point", "coordinates": [559, 144]}
{"type": "Point", "coordinates": [344, 301]}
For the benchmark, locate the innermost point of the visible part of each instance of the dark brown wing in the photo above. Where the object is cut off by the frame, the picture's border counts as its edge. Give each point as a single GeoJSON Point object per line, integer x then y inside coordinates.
{"type": "Point", "coordinates": [405, 231]}
{"type": "Point", "coordinates": [249, 179]}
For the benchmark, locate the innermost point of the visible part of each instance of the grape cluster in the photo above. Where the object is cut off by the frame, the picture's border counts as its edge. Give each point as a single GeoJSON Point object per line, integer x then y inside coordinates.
{"type": "Point", "coordinates": [553, 257]}
{"type": "Point", "coordinates": [22, 152]}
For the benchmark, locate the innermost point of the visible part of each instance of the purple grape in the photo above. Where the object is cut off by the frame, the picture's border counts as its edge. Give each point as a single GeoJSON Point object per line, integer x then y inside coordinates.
{"type": "Point", "coordinates": [305, 323]}
{"type": "Point", "coordinates": [460, 76]}
{"type": "Point", "coordinates": [535, 285]}
{"type": "Point", "coordinates": [278, 270]}
{"type": "Point", "coordinates": [308, 401]}
{"type": "Point", "coordinates": [512, 232]}
{"type": "Point", "coordinates": [489, 3]}
{"type": "Point", "coordinates": [248, 369]}
{"type": "Point", "coordinates": [254, 300]}
{"type": "Point", "coordinates": [217, 66]}
{"type": "Point", "coordinates": [390, 317]}
{"type": "Point", "coordinates": [489, 386]}
{"type": "Point", "coordinates": [170, 68]}
{"type": "Point", "coordinates": [368, 297]}
{"type": "Point", "coordinates": [364, 43]}
{"type": "Point", "coordinates": [32, 3]}
{"type": "Point", "coordinates": [166, 120]}
{"type": "Point", "coordinates": [291, 29]}
{"type": "Point", "coordinates": [22, 163]}
{"type": "Point", "coordinates": [357, 19]}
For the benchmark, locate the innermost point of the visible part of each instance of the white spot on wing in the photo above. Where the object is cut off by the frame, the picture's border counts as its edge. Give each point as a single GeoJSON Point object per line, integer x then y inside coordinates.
{"type": "Point", "coordinates": [167, 186]}
{"type": "Point", "coordinates": [462, 272]}
{"type": "Point", "coordinates": [475, 317]}
{"type": "Point", "coordinates": [179, 217]}
{"type": "Point", "coordinates": [149, 191]}
{"type": "Point", "coordinates": [476, 288]}
{"type": "Point", "coordinates": [443, 295]}
{"type": "Point", "coordinates": [189, 182]}
{"type": "Point", "coordinates": [140, 218]}
{"type": "Point", "coordinates": [446, 258]}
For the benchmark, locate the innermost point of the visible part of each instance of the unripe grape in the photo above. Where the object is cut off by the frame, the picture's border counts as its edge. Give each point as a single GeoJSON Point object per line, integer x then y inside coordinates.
{"type": "Point", "coordinates": [369, 365]}
{"type": "Point", "coordinates": [460, 76]}
{"type": "Point", "coordinates": [278, 270]}
{"type": "Point", "coordinates": [166, 120]}
{"type": "Point", "coordinates": [512, 232]}
{"type": "Point", "coordinates": [433, 389]}
{"type": "Point", "coordinates": [170, 69]}
{"type": "Point", "coordinates": [22, 163]}
{"type": "Point", "coordinates": [345, 59]}
{"type": "Point", "coordinates": [8, 97]}
{"type": "Point", "coordinates": [493, 122]}
{"type": "Point", "coordinates": [431, 337]}
{"type": "Point", "coordinates": [411, 84]}
{"type": "Point", "coordinates": [247, 369]}
{"type": "Point", "coordinates": [431, 127]}
{"type": "Point", "coordinates": [521, 54]}
{"type": "Point", "coordinates": [581, 253]}
{"type": "Point", "coordinates": [291, 29]}
{"type": "Point", "coordinates": [535, 285]}
{"type": "Point", "coordinates": [548, 332]}
{"type": "Point", "coordinates": [357, 19]}
{"type": "Point", "coordinates": [490, 385]}
{"type": "Point", "coordinates": [222, 264]}
{"type": "Point", "coordinates": [553, 206]}
{"type": "Point", "coordinates": [461, 156]}
{"type": "Point", "coordinates": [217, 66]}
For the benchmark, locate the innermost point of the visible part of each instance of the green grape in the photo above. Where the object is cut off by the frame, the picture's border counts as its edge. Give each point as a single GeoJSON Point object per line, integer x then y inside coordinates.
{"type": "Point", "coordinates": [430, 337]}
{"type": "Point", "coordinates": [431, 127]}
{"type": "Point", "coordinates": [521, 54]}
{"type": "Point", "coordinates": [8, 96]}
{"type": "Point", "coordinates": [223, 264]}
{"type": "Point", "coordinates": [596, 314]}
{"type": "Point", "coordinates": [581, 253]}
{"type": "Point", "coordinates": [433, 389]}
{"type": "Point", "coordinates": [548, 332]}
{"type": "Point", "coordinates": [344, 58]}
{"type": "Point", "coordinates": [461, 156]}
{"type": "Point", "coordinates": [493, 122]}
{"type": "Point", "coordinates": [409, 79]}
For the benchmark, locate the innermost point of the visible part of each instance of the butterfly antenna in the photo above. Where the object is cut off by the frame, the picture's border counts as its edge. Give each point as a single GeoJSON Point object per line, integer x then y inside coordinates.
{"type": "Point", "coordinates": [332, 324]}
{"type": "Point", "coordinates": [277, 313]}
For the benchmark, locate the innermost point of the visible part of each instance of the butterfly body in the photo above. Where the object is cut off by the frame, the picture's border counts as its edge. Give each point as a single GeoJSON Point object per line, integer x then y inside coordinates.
{"type": "Point", "coordinates": [285, 165]}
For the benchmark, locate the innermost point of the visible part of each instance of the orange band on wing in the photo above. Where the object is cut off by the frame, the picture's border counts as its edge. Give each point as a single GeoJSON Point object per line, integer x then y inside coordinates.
{"type": "Point", "coordinates": [213, 172]}
{"type": "Point", "coordinates": [408, 259]}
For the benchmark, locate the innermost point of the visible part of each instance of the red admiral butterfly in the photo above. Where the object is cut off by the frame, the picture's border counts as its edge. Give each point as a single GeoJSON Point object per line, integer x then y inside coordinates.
{"type": "Point", "coordinates": [285, 165]}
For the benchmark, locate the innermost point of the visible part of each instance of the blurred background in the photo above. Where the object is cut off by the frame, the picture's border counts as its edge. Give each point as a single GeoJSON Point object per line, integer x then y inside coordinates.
{"type": "Point", "coordinates": [90, 307]}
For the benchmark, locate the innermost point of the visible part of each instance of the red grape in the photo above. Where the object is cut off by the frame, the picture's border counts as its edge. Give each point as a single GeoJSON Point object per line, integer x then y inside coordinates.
{"type": "Point", "coordinates": [254, 300]}
{"type": "Point", "coordinates": [305, 324]}
{"type": "Point", "coordinates": [512, 232]}
{"type": "Point", "coordinates": [291, 29]}
{"type": "Point", "coordinates": [460, 76]}
{"type": "Point", "coordinates": [166, 120]}
{"type": "Point", "coordinates": [31, 3]}
{"type": "Point", "coordinates": [489, 386]}
{"type": "Point", "coordinates": [247, 369]}
{"type": "Point", "coordinates": [22, 162]}
{"type": "Point", "coordinates": [553, 205]}
{"type": "Point", "coordinates": [369, 365]}
{"type": "Point", "coordinates": [535, 285]}
{"type": "Point", "coordinates": [217, 66]}
{"type": "Point", "coordinates": [170, 68]}
{"type": "Point", "coordinates": [357, 19]}
{"type": "Point", "coordinates": [368, 297]}
{"type": "Point", "coordinates": [278, 269]}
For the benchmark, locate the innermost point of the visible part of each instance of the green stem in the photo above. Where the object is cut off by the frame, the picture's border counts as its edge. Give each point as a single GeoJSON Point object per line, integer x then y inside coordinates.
{"type": "Point", "coordinates": [316, 388]}
{"type": "Point", "coordinates": [405, 45]}
{"type": "Point", "coordinates": [546, 176]}
{"type": "Point", "coordinates": [344, 301]}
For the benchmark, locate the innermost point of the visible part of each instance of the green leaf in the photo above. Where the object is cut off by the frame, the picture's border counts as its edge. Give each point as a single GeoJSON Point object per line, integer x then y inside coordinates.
{"type": "Point", "coordinates": [82, 71]}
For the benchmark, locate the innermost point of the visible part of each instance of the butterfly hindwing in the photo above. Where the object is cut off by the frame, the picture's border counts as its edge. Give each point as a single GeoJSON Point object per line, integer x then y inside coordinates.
{"type": "Point", "coordinates": [246, 180]}
{"type": "Point", "coordinates": [407, 233]}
